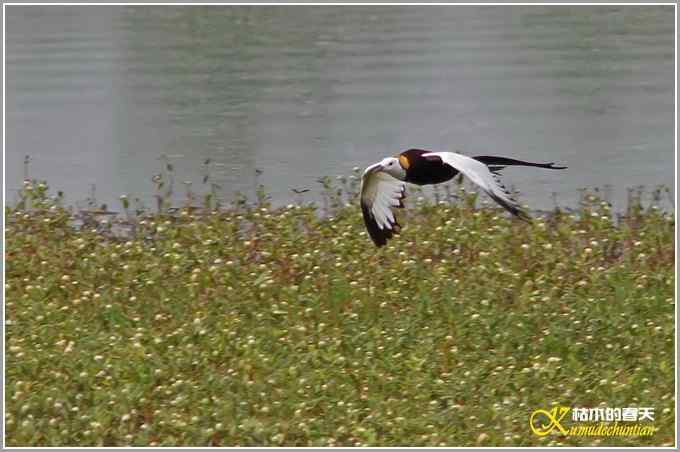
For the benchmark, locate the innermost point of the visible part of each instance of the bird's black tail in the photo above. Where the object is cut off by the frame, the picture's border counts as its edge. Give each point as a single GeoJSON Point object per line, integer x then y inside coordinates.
{"type": "Point", "coordinates": [498, 163]}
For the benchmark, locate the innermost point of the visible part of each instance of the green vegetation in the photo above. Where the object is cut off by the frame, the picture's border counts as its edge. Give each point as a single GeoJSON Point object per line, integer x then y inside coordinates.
{"type": "Point", "coordinates": [255, 325]}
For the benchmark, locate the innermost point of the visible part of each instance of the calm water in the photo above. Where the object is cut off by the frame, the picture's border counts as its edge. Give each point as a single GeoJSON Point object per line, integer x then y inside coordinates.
{"type": "Point", "coordinates": [96, 94]}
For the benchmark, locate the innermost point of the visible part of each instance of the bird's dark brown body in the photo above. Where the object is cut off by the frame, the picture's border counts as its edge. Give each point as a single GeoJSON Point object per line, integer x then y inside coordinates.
{"type": "Point", "coordinates": [425, 170]}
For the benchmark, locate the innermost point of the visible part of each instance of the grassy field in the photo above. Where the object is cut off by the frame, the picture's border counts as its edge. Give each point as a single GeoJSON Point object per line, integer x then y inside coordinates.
{"type": "Point", "coordinates": [262, 326]}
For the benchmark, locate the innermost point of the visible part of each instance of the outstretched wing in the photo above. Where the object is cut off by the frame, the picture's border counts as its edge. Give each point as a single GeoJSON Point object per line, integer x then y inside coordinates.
{"type": "Point", "coordinates": [482, 176]}
{"type": "Point", "coordinates": [380, 193]}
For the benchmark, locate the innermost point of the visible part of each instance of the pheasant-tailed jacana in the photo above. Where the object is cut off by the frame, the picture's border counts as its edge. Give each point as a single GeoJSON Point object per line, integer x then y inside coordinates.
{"type": "Point", "coordinates": [383, 184]}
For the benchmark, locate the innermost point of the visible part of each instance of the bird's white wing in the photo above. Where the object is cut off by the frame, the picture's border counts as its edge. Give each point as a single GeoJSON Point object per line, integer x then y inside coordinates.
{"type": "Point", "coordinates": [482, 176]}
{"type": "Point", "coordinates": [380, 193]}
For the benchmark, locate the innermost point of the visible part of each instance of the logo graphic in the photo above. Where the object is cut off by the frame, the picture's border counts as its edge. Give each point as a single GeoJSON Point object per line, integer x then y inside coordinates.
{"type": "Point", "coordinates": [553, 418]}
{"type": "Point", "coordinates": [593, 421]}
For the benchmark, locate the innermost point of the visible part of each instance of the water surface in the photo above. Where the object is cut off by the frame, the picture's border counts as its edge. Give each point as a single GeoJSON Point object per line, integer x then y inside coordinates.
{"type": "Point", "coordinates": [95, 94]}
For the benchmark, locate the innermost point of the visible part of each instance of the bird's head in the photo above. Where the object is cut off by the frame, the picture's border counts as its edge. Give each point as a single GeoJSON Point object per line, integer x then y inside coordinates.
{"type": "Point", "coordinates": [393, 167]}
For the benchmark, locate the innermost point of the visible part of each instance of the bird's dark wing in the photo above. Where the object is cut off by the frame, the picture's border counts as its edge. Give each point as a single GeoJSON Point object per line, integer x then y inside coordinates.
{"type": "Point", "coordinates": [498, 163]}
{"type": "Point", "coordinates": [380, 193]}
{"type": "Point", "coordinates": [482, 176]}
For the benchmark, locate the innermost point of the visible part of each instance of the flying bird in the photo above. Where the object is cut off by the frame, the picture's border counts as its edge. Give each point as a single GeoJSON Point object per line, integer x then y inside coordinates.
{"type": "Point", "coordinates": [383, 185]}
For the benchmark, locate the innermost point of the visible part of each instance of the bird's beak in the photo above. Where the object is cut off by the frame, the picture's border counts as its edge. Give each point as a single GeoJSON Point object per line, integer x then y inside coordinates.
{"type": "Point", "coordinates": [377, 169]}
